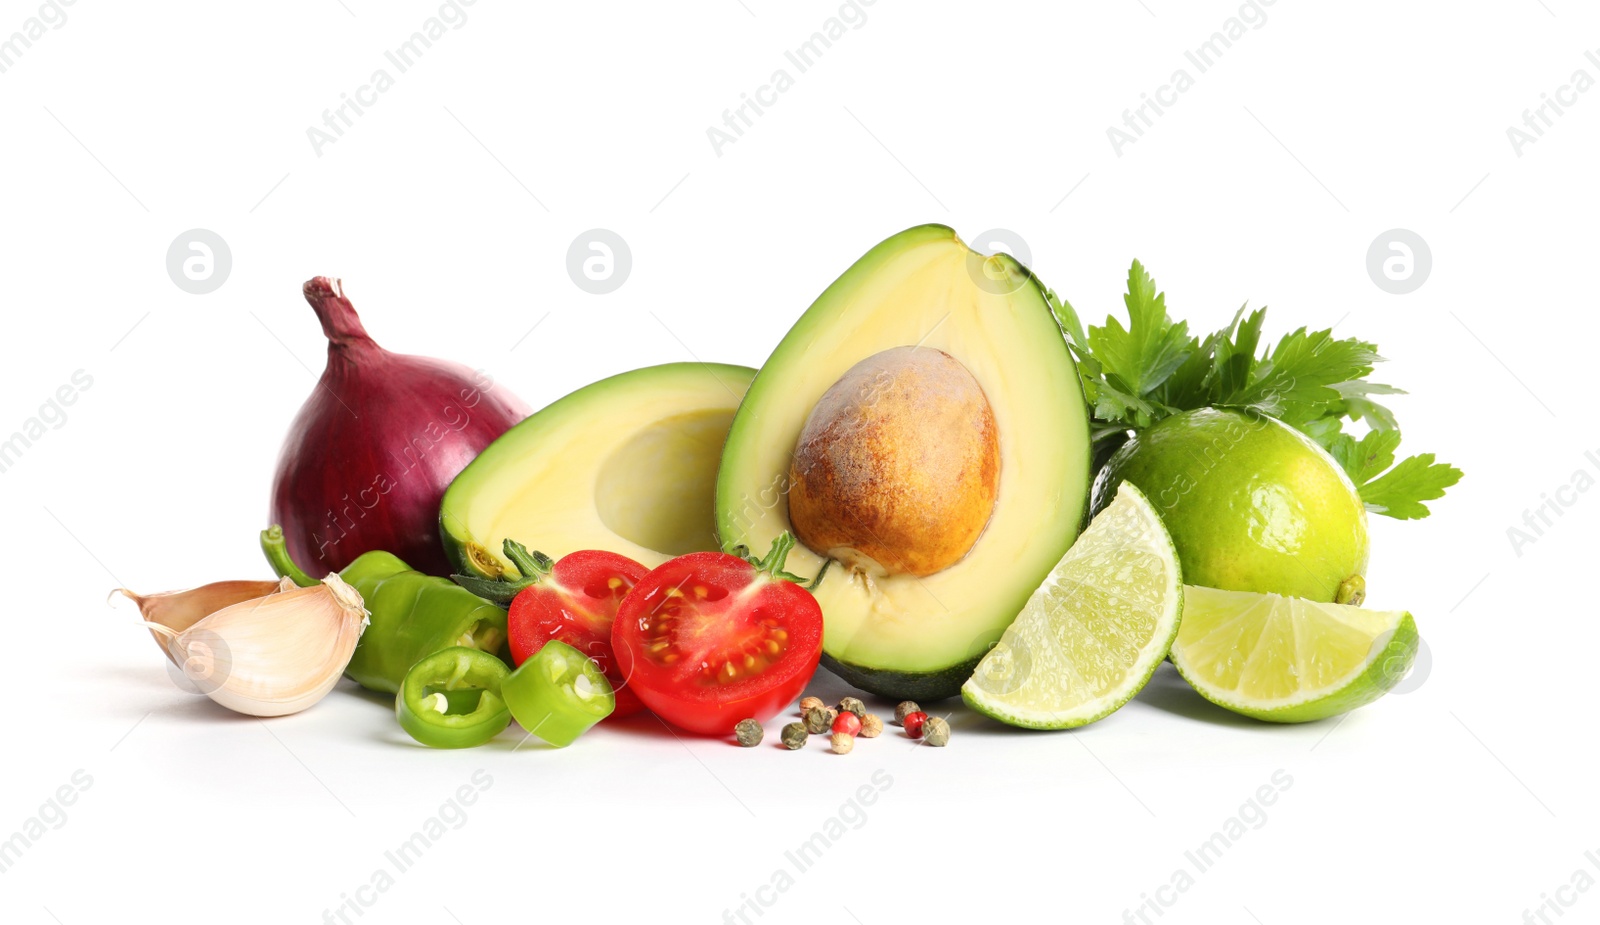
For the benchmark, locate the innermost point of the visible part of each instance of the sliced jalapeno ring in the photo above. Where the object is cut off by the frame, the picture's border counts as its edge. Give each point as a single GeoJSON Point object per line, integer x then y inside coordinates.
{"type": "Point", "coordinates": [451, 699]}
{"type": "Point", "coordinates": [558, 693]}
{"type": "Point", "coordinates": [464, 700]}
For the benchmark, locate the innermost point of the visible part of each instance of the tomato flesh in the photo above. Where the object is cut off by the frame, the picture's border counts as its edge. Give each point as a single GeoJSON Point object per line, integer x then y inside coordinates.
{"type": "Point", "coordinates": [706, 640]}
{"type": "Point", "coordinates": [576, 603]}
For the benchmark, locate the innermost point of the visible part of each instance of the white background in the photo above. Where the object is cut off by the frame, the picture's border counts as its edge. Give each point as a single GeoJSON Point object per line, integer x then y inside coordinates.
{"type": "Point", "coordinates": [448, 209]}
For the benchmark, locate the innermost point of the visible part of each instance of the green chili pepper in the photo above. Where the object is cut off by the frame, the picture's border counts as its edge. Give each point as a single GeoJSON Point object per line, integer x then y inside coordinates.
{"type": "Point", "coordinates": [451, 699]}
{"type": "Point", "coordinates": [558, 693]}
{"type": "Point", "coordinates": [464, 700]}
{"type": "Point", "coordinates": [412, 615]}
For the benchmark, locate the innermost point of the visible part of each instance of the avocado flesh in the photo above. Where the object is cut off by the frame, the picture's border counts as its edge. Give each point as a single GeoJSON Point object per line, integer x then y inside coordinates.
{"type": "Point", "coordinates": [898, 635]}
{"type": "Point", "coordinates": [627, 464]}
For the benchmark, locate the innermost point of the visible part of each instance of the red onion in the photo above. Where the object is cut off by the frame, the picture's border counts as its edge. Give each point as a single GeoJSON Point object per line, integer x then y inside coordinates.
{"type": "Point", "coordinates": [373, 449]}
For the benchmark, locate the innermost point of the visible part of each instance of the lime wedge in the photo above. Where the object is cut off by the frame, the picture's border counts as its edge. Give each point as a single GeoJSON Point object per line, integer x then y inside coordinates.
{"type": "Point", "coordinates": [1092, 634]}
{"type": "Point", "coordinates": [1289, 660]}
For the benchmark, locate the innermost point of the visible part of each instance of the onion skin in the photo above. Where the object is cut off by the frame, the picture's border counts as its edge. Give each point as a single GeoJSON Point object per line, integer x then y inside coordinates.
{"type": "Point", "coordinates": [371, 452]}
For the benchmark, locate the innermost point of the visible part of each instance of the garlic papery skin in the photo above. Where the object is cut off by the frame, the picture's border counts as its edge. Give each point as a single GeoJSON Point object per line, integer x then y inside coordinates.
{"type": "Point", "coordinates": [273, 655]}
{"type": "Point", "coordinates": [179, 610]}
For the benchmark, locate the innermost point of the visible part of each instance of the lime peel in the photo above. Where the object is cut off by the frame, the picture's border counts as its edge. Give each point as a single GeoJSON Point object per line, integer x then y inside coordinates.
{"type": "Point", "coordinates": [1290, 660]}
{"type": "Point", "coordinates": [1091, 635]}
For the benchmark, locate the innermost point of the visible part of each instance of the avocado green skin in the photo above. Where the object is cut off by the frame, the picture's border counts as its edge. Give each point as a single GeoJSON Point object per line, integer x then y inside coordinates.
{"type": "Point", "coordinates": [921, 686]}
{"type": "Point", "coordinates": [883, 680]}
{"type": "Point", "coordinates": [1251, 504]}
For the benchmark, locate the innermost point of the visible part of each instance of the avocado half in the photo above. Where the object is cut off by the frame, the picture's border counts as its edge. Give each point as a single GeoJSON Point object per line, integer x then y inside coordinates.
{"type": "Point", "coordinates": [627, 464]}
{"type": "Point", "coordinates": [899, 635]}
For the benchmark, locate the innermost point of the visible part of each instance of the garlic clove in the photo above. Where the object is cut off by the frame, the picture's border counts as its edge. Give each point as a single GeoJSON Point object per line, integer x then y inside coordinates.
{"type": "Point", "coordinates": [179, 610]}
{"type": "Point", "coordinates": [275, 654]}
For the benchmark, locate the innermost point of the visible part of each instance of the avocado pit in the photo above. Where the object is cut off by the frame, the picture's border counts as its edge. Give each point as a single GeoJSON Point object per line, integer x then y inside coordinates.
{"type": "Point", "coordinates": [897, 467]}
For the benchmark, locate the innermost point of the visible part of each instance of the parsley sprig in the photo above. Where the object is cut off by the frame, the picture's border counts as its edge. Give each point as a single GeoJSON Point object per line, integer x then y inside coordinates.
{"type": "Point", "coordinates": [1136, 374]}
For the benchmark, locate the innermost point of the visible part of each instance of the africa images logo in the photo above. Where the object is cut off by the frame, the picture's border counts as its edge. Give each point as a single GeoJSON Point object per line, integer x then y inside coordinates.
{"type": "Point", "coordinates": [52, 415]}
{"type": "Point", "coordinates": [1541, 118]}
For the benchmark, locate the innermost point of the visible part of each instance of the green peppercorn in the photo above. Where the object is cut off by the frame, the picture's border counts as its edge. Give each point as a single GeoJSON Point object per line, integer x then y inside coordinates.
{"type": "Point", "coordinates": [819, 720]}
{"type": "Point", "coordinates": [936, 731]}
{"type": "Point", "coordinates": [842, 742]}
{"type": "Point", "coordinates": [905, 707]}
{"type": "Point", "coordinates": [748, 732]}
{"type": "Point", "coordinates": [853, 705]}
{"type": "Point", "coordinates": [871, 726]}
{"type": "Point", "coordinates": [794, 736]}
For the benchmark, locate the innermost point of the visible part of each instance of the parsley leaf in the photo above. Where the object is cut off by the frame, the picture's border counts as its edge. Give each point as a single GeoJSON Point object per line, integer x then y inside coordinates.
{"type": "Point", "coordinates": [1396, 492]}
{"type": "Point", "coordinates": [1358, 402]}
{"type": "Point", "coordinates": [1399, 493]}
{"type": "Point", "coordinates": [1365, 460]}
{"type": "Point", "coordinates": [1295, 381]}
{"type": "Point", "coordinates": [1141, 356]}
{"type": "Point", "coordinates": [1112, 402]}
{"type": "Point", "coordinates": [1152, 368]}
{"type": "Point", "coordinates": [1235, 352]}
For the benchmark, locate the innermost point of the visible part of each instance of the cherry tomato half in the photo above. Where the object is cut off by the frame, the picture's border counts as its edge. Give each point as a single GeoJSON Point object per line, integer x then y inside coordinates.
{"type": "Point", "coordinates": [709, 638]}
{"type": "Point", "coordinates": [575, 602]}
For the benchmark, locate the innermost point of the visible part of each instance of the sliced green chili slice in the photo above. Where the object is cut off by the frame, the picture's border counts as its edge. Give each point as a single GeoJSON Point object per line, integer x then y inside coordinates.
{"type": "Point", "coordinates": [558, 694]}
{"type": "Point", "coordinates": [452, 699]}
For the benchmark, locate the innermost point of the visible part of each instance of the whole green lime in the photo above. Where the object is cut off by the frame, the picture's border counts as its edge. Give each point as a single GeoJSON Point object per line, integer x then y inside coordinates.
{"type": "Point", "coordinates": [1252, 504]}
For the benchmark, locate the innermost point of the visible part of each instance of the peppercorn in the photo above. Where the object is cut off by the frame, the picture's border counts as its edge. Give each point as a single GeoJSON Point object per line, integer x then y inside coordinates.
{"type": "Point", "coordinates": [914, 722]}
{"type": "Point", "coordinates": [842, 743]}
{"type": "Point", "coordinates": [853, 705]}
{"type": "Point", "coordinates": [847, 723]}
{"type": "Point", "coordinates": [794, 736]}
{"type": "Point", "coordinates": [936, 731]}
{"type": "Point", "coordinates": [871, 726]}
{"type": "Point", "coordinates": [819, 720]}
{"type": "Point", "coordinates": [809, 703]}
{"type": "Point", "coordinates": [748, 732]}
{"type": "Point", "coordinates": [905, 707]}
